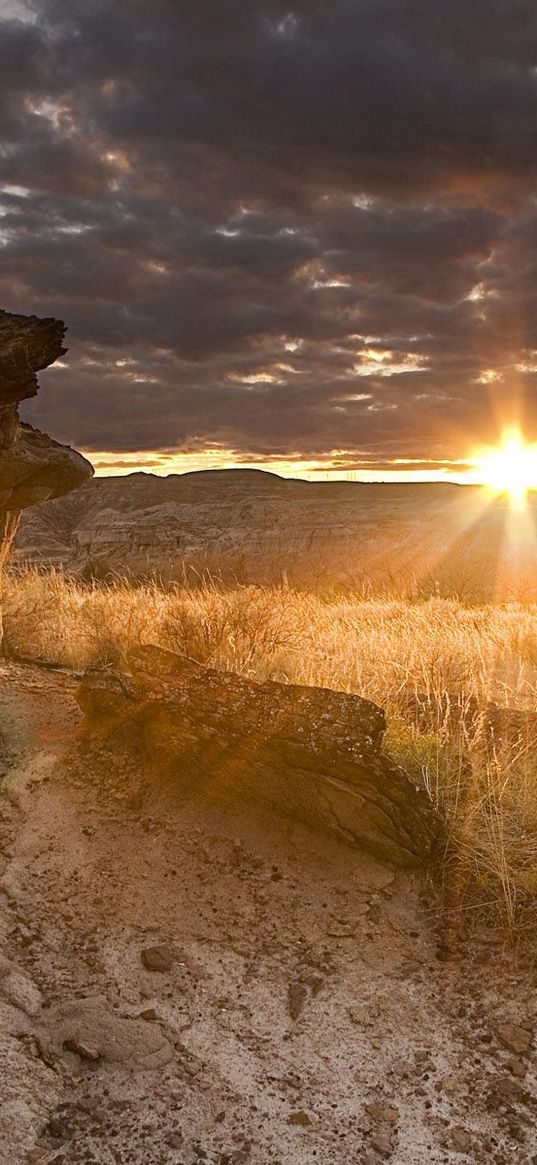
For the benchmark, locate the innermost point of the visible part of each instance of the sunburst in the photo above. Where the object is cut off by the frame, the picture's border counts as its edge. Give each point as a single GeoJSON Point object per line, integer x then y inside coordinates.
{"type": "Point", "coordinates": [508, 468]}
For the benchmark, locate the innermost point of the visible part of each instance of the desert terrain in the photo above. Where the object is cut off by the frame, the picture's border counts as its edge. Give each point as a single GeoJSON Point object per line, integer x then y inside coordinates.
{"type": "Point", "coordinates": [253, 526]}
{"type": "Point", "coordinates": [182, 983]}
{"type": "Point", "coordinates": [267, 814]}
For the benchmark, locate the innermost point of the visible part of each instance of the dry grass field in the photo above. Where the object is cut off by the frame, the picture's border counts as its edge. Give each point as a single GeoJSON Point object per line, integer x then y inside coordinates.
{"type": "Point", "coordinates": [433, 665]}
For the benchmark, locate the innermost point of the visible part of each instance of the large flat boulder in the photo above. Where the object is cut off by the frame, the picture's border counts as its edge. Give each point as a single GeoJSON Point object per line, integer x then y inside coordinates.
{"type": "Point", "coordinates": [310, 753]}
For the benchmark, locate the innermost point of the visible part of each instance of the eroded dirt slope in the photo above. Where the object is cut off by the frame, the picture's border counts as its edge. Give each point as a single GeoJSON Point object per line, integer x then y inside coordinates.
{"type": "Point", "coordinates": [182, 984]}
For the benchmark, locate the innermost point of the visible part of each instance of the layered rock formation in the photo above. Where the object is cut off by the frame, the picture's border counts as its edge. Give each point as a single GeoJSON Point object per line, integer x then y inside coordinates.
{"type": "Point", "coordinates": [33, 468]}
{"type": "Point", "coordinates": [251, 526]}
{"type": "Point", "coordinates": [309, 753]}
{"type": "Point", "coordinates": [247, 524]}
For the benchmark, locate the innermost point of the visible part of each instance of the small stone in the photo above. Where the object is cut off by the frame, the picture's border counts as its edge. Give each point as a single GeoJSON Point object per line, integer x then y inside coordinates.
{"type": "Point", "coordinates": [517, 1068]}
{"type": "Point", "coordinates": [36, 1156]}
{"type": "Point", "coordinates": [19, 990]}
{"type": "Point", "coordinates": [461, 1140]}
{"type": "Point", "coordinates": [338, 929]}
{"type": "Point", "coordinates": [516, 1038]}
{"type": "Point", "coordinates": [88, 1103]}
{"type": "Point", "coordinates": [149, 1014]}
{"type": "Point", "coordinates": [157, 958]}
{"type": "Point", "coordinates": [85, 1051]}
{"type": "Point", "coordinates": [408, 970]}
{"type": "Point", "coordinates": [505, 1086]}
{"type": "Point", "coordinates": [57, 1128]}
{"type": "Point", "coordinates": [382, 1145]}
{"type": "Point", "coordinates": [360, 909]}
{"type": "Point", "coordinates": [371, 875]}
{"type": "Point", "coordinates": [359, 1013]}
{"type": "Point", "coordinates": [299, 1118]}
{"type": "Point", "coordinates": [297, 994]}
{"type": "Point", "coordinates": [384, 1113]}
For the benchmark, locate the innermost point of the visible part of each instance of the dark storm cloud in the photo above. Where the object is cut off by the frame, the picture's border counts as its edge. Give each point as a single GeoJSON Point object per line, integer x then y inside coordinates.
{"type": "Point", "coordinates": [280, 228]}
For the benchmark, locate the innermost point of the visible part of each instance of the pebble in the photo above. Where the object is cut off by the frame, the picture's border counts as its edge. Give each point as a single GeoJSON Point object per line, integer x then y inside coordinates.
{"type": "Point", "coordinates": [382, 1145]}
{"type": "Point", "coordinates": [337, 929]}
{"type": "Point", "coordinates": [297, 994]}
{"type": "Point", "coordinates": [149, 1014]}
{"type": "Point", "coordinates": [461, 1140]}
{"type": "Point", "coordinates": [85, 1051]}
{"type": "Point", "coordinates": [408, 970]}
{"type": "Point", "coordinates": [57, 1128]}
{"type": "Point", "coordinates": [299, 1118]}
{"type": "Point", "coordinates": [88, 1103]}
{"type": "Point", "coordinates": [506, 1086]}
{"type": "Point", "coordinates": [360, 1013]}
{"type": "Point", "coordinates": [157, 958]}
{"type": "Point", "coordinates": [516, 1038]}
{"type": "Point", "coordinates": [385, 1113]}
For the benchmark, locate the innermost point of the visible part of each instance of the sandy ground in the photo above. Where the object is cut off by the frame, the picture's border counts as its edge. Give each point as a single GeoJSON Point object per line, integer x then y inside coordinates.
{"type": "Point", "coordinates": [300, 1015]}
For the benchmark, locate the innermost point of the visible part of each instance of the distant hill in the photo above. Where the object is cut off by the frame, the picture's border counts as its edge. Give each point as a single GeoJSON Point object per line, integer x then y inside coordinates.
{"type": "Point", "coordinates": [253, 526]}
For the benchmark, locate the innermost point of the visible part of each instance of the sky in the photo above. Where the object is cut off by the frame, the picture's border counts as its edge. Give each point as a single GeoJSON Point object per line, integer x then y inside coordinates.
{"type": "Point", "coordinates": [299, 236]}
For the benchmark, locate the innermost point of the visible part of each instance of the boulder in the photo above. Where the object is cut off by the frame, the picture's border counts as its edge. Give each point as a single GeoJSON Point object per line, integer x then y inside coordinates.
{"type": "Point", "coordinates": [33, 467]}
{"type": "Point", "coordinates": [310, 753]}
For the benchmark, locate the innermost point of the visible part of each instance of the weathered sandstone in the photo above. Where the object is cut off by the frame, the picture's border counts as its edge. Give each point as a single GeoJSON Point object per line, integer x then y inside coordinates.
{"type": "Point", "coordinates": [309, 753]}
{"type": "Point", "coordinates": [33, 467]}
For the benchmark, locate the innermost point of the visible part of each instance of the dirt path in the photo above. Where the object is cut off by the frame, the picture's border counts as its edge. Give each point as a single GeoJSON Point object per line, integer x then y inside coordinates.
{"type": "Point", "coordinates": [300, 1015]}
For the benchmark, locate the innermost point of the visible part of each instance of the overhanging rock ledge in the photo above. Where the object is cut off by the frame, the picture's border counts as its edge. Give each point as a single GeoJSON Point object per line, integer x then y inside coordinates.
{"type": "Point", "coordinates": [33, 467]}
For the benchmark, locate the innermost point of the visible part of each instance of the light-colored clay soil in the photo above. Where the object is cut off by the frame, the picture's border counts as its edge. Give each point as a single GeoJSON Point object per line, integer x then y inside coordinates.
{"type": "Point", "coordinates": [303, 1018]}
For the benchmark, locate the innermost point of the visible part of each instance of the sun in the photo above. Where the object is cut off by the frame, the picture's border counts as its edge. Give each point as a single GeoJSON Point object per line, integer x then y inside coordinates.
{"type": "Point", "coordinates": [510, 467]}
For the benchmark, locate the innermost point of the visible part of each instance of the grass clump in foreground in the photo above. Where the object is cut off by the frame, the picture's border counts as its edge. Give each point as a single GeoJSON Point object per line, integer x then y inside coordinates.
{"type": "Point", "coordinates": [433, 665]}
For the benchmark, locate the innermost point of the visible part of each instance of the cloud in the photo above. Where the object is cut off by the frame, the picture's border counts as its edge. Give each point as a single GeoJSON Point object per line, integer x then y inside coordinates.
{"type": "Point", "coordinates": [240, 200]}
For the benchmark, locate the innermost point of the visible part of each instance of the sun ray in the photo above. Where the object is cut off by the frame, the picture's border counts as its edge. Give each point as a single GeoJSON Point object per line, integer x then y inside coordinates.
{"type": "Point", "coordinates": [510, 467]}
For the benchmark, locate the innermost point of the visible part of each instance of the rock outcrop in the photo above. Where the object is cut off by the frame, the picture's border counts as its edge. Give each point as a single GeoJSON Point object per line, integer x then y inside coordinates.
{"type": "Point", "coordinates": [309, 753]}
{"type": "Point", "coordinates": [33, 468]}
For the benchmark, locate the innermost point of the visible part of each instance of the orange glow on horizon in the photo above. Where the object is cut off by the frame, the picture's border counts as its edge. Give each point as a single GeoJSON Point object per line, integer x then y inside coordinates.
{"type": "Point", "coordinates": [509, 468]}
{"type": "Point", "coordinates": [333, 468]}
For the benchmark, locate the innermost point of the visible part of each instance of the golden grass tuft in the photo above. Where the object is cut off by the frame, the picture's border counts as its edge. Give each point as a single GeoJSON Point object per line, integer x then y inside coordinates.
{"type": "Point", "coordinates": [433, 665]}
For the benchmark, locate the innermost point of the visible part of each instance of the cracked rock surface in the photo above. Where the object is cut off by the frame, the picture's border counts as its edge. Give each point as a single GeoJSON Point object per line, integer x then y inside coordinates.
{"type": "Point", "coordinates": [311, 753]}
